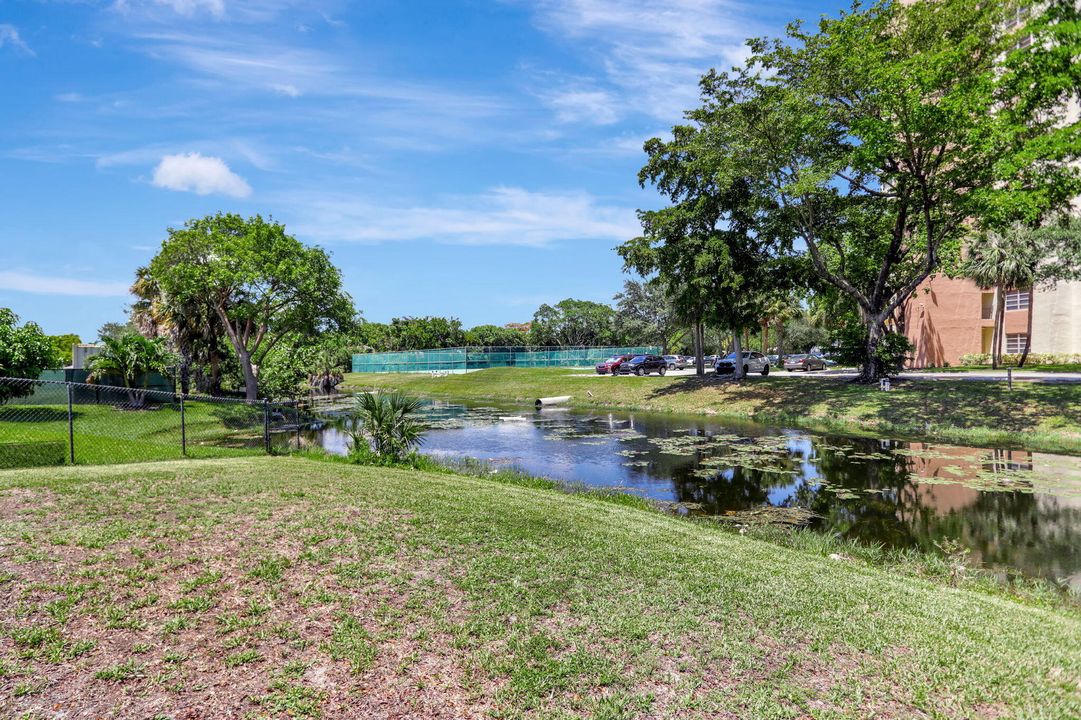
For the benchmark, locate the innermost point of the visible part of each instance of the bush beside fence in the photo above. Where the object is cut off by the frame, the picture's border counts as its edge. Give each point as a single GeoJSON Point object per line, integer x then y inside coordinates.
{"type": "Point", "coordinates": [54, 423]}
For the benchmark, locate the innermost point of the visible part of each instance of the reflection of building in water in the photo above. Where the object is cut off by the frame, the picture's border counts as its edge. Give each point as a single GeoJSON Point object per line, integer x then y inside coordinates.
{"type": "Point", "coordinates": [952, 467]}
{"type": "Point", "coordinates": [1005, 460]}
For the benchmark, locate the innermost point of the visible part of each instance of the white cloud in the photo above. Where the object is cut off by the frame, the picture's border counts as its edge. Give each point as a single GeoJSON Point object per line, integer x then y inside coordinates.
{"type": "Point", "coordinates": [187, 8]}
{"type": "Point", "coordinates": [500, 216]}
{"type": "Point", "coordinates": [652, 52]}
{"type": "Point", "coordinates": [49, 285]}
{"type": "Point", "coordinates": [10, 36]}
{"type": "Point", "coordinates": [582, 105]}
{"type": "Point", "coordinates": [202, 175]}
{"type": "Point", "coordinates": [190, 7]}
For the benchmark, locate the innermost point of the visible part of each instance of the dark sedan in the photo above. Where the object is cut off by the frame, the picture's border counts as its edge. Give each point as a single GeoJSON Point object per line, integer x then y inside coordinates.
{"type": "Point", "coordinates": [611, 364]}
{"type": "Point", "coordinates": [642, 365]}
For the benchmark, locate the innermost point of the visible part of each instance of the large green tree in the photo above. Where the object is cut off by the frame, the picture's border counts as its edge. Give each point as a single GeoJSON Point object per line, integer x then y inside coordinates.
{"type": "Point", "coordinates": [646, 315]}
{"type": "Point", "coordinates": [262, 284]}
{"type": "Point", "coordinates": [717, 247]}
{"type": "Point", "coordinates": [573, 322]}
{"type": "Point", "coordinates": [63, 345]}
{"type": "Point", "coordinates": [24, 352]}
{"type": "Point", "coordinates": [887, 136]}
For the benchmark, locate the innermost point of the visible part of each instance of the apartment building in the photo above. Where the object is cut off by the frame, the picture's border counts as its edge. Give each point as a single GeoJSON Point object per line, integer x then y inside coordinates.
{"type": "Point", "coordinates": [948, 318]}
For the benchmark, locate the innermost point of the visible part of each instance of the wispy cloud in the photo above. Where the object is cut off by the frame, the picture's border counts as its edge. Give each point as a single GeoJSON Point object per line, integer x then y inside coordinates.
{"type": "Point", "coordinates": [586, 105]}
{"type": "Point", "coordinates": [202, 175]}
{"type": "Point", "coordinates": [9, 37]}
{"type": "Point", "coordinates": [52, 285]}
{"type": "Point", "coordinates": [499, 216]}
{"type": "Point", "coordinates": [652, 52]}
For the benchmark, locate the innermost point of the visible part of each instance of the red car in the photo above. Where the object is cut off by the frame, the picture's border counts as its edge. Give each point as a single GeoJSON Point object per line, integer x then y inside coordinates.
{"type": "Point", "coordinates": [611, 365]}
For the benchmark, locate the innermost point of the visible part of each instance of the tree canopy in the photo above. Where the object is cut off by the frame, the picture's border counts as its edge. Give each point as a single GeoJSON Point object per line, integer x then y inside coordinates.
{"type": "Point", "coordinates": [24, 352]}
{"type": "Point", "coordinates": [882, 140]}
{"type": "Point", "coordinates": [573, 322]}
{"type": "Point", "coordinates": [261, 283]}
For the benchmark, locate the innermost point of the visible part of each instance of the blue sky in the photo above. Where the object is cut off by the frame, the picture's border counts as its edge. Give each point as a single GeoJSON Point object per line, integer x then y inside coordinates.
{"type": "Point", "coordinates": [472, 158]}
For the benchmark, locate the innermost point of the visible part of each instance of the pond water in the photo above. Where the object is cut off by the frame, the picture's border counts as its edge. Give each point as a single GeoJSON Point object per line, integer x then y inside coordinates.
{"type": "Point", "coordinates": [1017, 511]}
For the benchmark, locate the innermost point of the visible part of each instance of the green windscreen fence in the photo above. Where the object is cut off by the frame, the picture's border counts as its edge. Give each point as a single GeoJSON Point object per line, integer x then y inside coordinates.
{"type": "Point", "coordinates": [461, 359]}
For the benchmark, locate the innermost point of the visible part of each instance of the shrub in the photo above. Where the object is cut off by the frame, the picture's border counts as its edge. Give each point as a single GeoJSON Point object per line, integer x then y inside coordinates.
{"type": "Point", "coordinates": [383, 425]}
{"type": "Point", "coordinates": [236, 416]}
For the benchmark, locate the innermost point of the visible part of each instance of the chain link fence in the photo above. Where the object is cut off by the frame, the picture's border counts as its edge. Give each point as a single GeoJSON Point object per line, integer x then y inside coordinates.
{"type": "Point", "coordinates": [460, 359]}
{"type": "Point", "coordinates": [46, 422]}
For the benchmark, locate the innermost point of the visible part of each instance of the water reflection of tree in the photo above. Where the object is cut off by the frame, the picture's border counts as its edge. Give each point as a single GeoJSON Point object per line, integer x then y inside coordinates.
{"type": "Point", "coordinates": [881, 501]}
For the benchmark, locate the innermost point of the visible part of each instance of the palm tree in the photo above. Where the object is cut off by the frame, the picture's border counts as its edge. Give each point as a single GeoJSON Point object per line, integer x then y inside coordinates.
{"type": "Point", "coordinates": [1003, 261]}
{"type": "Point", "coordinates": [385, 420]}
{"type": "Point", "coordinates": [132, 357]}
{"type": "Point", "coordinates": [191, 328]}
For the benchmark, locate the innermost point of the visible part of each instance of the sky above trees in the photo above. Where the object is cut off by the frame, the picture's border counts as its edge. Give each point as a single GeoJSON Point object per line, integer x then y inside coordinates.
{"type": "Point", "coordinates": [473, 159]}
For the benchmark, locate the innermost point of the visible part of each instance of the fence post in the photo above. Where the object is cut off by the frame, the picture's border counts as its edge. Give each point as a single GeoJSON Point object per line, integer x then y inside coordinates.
{"type": "Point", "coordinates": [71, 423]}
{"type": "Point", "coordinates": [266, 425]}
{"type": "Point", "coordinates": [183, 428]}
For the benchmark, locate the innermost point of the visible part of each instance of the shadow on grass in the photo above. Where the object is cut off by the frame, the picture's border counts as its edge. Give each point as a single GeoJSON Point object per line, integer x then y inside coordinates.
{"type": "Point", "coordinates": [34, 414]}
{"type": "Point", "coordinates": [962, 404]}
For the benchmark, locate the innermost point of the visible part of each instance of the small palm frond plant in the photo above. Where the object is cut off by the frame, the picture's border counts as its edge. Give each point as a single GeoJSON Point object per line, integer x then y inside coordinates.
{"type": "Point", "coordinates": [132, 358]}
{"type": "Point", "coordinates": [383, 425]}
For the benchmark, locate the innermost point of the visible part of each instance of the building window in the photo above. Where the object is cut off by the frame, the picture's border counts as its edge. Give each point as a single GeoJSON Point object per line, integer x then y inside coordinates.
{"type": "Point", "coordinates": [1017, 300]}
{"type": "Point", "coordinates": [1015, 343]}
{"type": "Point", "coordinates": [987, 306]}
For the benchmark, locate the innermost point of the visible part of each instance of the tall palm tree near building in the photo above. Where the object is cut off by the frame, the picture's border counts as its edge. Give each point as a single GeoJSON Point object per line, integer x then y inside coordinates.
{"type": "Point", "coordinates": [1003, 261]}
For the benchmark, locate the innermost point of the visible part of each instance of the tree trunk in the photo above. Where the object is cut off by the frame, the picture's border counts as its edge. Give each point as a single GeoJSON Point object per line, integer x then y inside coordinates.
{"type": "Point", "coordinates": [737, 364]}
{"type": "Point", "coordinates": [780, 344]}
{"type": "Point", "coordinates": [1028, 330]}
{"type": "Point", "coordinates": [872, 364]}
{"type": "Point", "coordinates": [765, 338]}
{"type": "Point", "coordinates": [996, 335]}
{"type": "Point", "coordinates": [699, 340]}
{"type": "Point", "coordinates": [251, 384]}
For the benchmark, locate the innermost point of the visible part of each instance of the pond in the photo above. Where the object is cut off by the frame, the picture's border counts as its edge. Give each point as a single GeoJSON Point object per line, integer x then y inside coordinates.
{"type": "Point", "coordinates": [1017, 511]}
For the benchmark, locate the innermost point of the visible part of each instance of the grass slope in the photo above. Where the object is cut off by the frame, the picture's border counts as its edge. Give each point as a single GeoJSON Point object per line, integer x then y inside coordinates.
{"type": "Point", "coordinates": [282, 586]}
{"type": "Point", "coordinates": [1035, 416]}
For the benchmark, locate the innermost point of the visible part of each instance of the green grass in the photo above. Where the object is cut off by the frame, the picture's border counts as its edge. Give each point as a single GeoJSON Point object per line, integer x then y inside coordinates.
{"type": "Point", "coordinates": [364, 588]}
{"type": "Point", "coordinates": [1033, 416]}
{"type": "Point", "coordinates": [108, 434]}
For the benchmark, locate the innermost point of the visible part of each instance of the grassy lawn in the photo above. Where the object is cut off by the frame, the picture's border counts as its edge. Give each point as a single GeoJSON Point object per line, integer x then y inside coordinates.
{"type": "Point", "coordinates": [1042, 417]}
{"type": "Point", "coordinates": [288, 587]}
{"type": "Point", "coordinates": [110, 434]}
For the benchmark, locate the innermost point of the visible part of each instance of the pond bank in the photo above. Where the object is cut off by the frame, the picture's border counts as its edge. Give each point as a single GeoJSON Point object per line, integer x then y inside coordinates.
{"type": "Point", "coordinates": [1038, 417]}
{"type": "Point", "coordinates": [337, 585]}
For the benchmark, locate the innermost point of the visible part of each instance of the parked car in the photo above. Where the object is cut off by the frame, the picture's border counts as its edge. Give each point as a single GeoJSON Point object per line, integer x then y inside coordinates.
{"type": "Point", "coordinates": [676, 362]}
{"type": "Point", "coordinates": [804, 362]}
{"type": "Point", "coordinates": [610, 365]}
{"type": "Point", "coordinates": [752, 362]}
{"type": "Point", "coordinates": [826, 360]}
{"type": "Point", "coordinates": [642, 365]}
{"type": "Point", "coordinates": [774, 360]}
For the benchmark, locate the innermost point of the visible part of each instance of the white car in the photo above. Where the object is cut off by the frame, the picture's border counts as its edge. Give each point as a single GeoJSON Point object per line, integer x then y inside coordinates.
{"type": "Point", "coordinates": [753, 362]}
